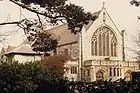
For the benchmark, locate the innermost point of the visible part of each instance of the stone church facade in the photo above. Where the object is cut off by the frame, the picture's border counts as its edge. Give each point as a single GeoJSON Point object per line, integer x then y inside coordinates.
{"type": "Point", "coordinates": [97, 53]}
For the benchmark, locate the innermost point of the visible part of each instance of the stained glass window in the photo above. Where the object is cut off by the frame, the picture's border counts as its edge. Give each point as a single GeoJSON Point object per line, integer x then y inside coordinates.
{"type": "Point", "coordinates": [104, 42]}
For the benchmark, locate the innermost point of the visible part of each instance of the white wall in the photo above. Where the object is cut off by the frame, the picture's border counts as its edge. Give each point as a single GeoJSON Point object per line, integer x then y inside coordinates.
{"type": "Point", "coordinates": [26, 58]}
{"type": "Point", "coordinates": [87, 35]}
{"type": "Point", "coordinates": [68, 74]}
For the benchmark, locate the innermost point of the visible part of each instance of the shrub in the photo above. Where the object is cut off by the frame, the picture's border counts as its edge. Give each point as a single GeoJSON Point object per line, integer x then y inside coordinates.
{"type": "Point", "coordinates": [34, 77]}
{"type": "Point", "coordinates": [26, 78]}
{"type": "Point", "coordinates": [119, 86]}
{"type": "Point", "coordinates": [56, 62]}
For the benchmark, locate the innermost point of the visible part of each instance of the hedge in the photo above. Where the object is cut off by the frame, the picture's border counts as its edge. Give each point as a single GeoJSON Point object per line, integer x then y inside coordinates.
{"type": "Point", "coordinates": [34, 77]}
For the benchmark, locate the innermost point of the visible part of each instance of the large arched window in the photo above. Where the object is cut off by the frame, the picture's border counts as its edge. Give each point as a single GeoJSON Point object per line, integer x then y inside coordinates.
{"type": "Point", "coordinates": [104, 42]}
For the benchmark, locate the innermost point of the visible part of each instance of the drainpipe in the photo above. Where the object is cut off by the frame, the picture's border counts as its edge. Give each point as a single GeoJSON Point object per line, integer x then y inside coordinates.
{"type": "Point", "coordinates": [80, 61]}
{"type": "Point", "coordinates": [81, 57]}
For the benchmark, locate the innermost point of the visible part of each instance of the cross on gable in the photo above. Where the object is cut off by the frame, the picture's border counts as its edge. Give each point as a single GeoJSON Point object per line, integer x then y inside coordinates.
{"type": "Point", "coordinates": [103, 4]}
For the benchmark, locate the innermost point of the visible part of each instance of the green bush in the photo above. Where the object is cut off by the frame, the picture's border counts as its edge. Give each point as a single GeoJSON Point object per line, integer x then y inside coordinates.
{"type": "Point", "coordinates": [119, 86]}
{"type": "Point", "coordinates": [25, 78]}
{"type": "Point", "coordinates": [34, 77]}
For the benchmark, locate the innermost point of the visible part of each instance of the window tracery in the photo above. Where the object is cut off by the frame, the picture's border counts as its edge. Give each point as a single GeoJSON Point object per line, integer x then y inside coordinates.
{"type": "Point", "coordinates": [104, 42]}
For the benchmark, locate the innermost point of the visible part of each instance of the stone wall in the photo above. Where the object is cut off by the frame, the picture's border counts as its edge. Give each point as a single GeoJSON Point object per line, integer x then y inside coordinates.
{"type": "Point", "coordinates": [72, 49]}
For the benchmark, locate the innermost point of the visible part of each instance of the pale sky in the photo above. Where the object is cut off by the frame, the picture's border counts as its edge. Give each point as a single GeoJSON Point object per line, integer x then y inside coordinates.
{"type": "Point", "coordinates": [123, 14]}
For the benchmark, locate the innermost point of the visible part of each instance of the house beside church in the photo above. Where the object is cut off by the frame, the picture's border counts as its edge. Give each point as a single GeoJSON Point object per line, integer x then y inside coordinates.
{"type": "Point", "coordinates": [97, 53]}
{"type": "Point", "coordinates": [22, 54]}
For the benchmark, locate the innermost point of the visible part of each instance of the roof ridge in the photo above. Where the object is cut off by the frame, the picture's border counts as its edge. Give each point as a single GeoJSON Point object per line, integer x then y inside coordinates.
{"type": "Point", "coordinates": [56, 27]}
{"type": "Point", "coordinates": [19, 47]}
{"type": "Point", "coordinates": [97, 11]}
{"type": "Point", "coordinates": [66, 23]}
{"type": "Point", "coordinates": [112, 21]}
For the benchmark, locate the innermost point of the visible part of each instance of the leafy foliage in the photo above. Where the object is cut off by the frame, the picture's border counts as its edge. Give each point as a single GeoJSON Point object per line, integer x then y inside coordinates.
{"type": "Point", "coordinates": [58, 11]}
{"type": "Point", "coordinates": [50, 12]}
{"type": "Point", "coordinates": [36, 78]}
{"type": "Point", "coordinates": [119, 86]}
{"type": "Point", "coordinates": [56, 62]}
{"type": "Point", "coordinates": [44, 42]}
{"type": "Point", "coordinates": [25, 78]}
{"type": "Point", "coordinates": [135, 2]}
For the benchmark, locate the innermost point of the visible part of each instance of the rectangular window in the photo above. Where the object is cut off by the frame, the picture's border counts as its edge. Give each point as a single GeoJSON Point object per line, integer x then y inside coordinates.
{"type": "Point", "coordinates": [114, 71]}
{"type": "Point", "coordinates": [112, 49]}
{"type": "Point", "coordinates": [92, 48]}
{"type": "Point", "coordinates": [103, 37]}
{"type": "Point", "coordinates": [107, 45]}
{"type": "Point", "coordinates": [100, 45]}
{"type": "Point", "coordinates": [95, 48]}
{"type": "Point", "coordinates": [110, 71]}
{"type": "Point", "coordinates": [115, 49]}
{"type": "Point", "coordinates": [118, 71]}
{"type": "Point", "coordinates": [73, 70]}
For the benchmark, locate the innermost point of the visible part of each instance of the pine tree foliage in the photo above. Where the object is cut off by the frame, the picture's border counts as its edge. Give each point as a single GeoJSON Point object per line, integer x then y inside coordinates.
{"type": "Point", "coordinates": [135, 2]}
{"type": "Point", "coordinates": [51, 12]}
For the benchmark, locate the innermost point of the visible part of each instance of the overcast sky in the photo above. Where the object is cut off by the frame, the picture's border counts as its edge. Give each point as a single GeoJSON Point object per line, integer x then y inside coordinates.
{"type": "Point", "coordinates": [123, 14]}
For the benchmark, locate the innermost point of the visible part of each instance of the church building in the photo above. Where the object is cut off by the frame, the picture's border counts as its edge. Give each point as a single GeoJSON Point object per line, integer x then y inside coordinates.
{"type": "Point", "coordinates": [97, 53]}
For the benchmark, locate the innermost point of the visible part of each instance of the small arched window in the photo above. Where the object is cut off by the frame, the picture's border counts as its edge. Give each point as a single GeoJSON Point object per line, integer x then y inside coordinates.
{"type": "Point", "coordinates": [104, 42]}
{"type": "Point", "coordinates": [66, 51]}
{"type": "Point", "coordinates": [128, 76]}
{"type": "Point", "coordinates": [99, 75]}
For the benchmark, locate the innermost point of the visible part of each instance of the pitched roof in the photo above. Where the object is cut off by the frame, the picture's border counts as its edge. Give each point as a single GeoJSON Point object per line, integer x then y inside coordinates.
{"type": "Point", "coordinates": [10, 48]}
{"type": "Point", "coordinates": [65, 36]}
{"type": "Point", "coordinates": [23, 49]}
{"type": "Point", "coordinates": [91, 22]}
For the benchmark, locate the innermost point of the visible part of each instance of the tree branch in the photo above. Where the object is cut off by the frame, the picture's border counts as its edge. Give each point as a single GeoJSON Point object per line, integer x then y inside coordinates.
{"type": "Point", "coordinates": [135, 2]}
{"type": "Point", "coordinates": [8, 23]}
{"type": "Point", "coordinates": [39, 19]}
{"type": "Point", "coordinates": [34, 11]}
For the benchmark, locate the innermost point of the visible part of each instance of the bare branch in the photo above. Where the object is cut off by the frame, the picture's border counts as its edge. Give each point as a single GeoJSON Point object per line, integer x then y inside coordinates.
{"type": "Point", "coordinates": [9, 23]}
{"type": "Point", "coordinates": [39, 19]}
